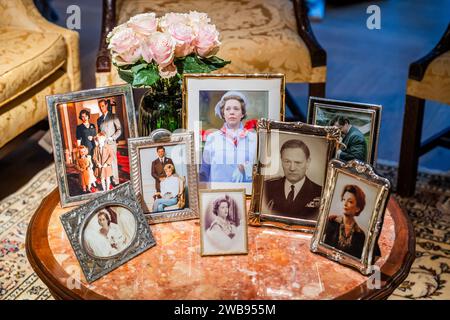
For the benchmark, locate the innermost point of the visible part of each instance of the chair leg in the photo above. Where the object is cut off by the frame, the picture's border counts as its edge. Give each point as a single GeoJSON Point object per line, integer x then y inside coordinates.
{"type": "Point", "coordinates": [410, 146]}
{"type": "Point", "coordinates": [317, 90]}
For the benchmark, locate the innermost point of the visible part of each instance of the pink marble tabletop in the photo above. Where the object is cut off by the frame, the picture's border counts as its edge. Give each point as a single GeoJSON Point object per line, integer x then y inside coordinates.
{"type": "Point", "coordinates": [279, 265]}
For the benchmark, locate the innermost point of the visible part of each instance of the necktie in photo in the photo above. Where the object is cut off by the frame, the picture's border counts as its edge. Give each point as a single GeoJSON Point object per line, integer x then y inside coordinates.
{"type": "Point", "coordinates": [290, 197]}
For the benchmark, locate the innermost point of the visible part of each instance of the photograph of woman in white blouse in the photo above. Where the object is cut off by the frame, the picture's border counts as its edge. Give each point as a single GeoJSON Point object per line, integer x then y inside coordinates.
{"type": "Point", "coordinates": [171, 189]}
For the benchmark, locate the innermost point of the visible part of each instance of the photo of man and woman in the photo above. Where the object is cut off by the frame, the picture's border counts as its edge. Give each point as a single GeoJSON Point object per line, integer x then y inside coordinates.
{"type": "Point", "coordinates": [94, 142]}
{"type": "Point", "coordinates": [164, 178]}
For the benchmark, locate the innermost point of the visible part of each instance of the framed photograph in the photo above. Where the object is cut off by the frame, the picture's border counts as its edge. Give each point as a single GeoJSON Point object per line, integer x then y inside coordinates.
{"type": "Point", "coordinates": [358, 122]}
{"type": "Point", "coordinates": [351, 214]}
{"type": "Point", "coordinates": [223, 110]}
{"type": "Point", "coordinates": [89, 131]}
{"type": "Point", "coordinates": [107, 231]}
{"type": "Point", "coordinates": [290, 173]}
{"type": "Point", "coordinates": [223, 222]}
{"type": "Point", "coordinates": [164, 176]}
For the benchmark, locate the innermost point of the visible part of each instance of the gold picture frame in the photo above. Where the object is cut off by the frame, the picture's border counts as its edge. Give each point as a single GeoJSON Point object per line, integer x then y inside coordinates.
{"type": "Point", "coordinates": [346, 178]}
{"type": "Point", "coordinates": [264, 96]}
{"type": "Point", "coordinates": [270, 208]}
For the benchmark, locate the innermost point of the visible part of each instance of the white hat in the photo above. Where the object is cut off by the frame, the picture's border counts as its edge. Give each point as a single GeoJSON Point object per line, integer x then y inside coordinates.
{"type": "Point", "coordinates": [228, 94]}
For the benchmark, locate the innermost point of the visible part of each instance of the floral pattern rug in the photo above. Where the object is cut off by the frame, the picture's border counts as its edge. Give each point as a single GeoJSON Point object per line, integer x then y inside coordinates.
{"type": "Point", "coordinates": [429, 210]}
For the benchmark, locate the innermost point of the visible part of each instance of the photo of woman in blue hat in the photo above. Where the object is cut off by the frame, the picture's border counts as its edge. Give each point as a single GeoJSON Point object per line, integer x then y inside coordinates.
{"type": "Point", "coordinates": [229, 152]}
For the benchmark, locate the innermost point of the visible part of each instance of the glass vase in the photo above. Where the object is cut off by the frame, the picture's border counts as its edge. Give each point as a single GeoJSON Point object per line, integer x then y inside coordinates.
{"type": "Point", "coordinates": [160, 107]}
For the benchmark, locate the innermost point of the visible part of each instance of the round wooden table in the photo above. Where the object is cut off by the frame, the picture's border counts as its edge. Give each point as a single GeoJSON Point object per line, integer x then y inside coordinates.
{"type": "Point", "coordinates": [279, 264]}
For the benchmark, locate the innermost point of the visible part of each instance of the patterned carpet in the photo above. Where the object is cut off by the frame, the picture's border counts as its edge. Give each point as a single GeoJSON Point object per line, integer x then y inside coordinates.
{"type": "Point", "coordinates": [429, 211]}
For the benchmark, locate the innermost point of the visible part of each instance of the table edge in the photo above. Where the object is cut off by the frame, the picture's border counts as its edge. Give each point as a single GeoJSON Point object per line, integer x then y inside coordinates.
{"type": "Point", "coordinates": [40, 256]}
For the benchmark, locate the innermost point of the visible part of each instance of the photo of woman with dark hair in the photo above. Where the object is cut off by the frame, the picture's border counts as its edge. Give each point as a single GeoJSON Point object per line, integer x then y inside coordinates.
{"type": "Point", "coordinates": [86, 131]}
{"type": "Point", "coordinates": [342, 232]}
{"type": "Point", "coordinates": [224, 224]}
{"type": "Point", "coordinates": [109, 232]}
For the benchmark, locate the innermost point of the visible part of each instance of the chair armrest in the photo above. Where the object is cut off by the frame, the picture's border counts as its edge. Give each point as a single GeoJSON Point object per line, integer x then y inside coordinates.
{"type": "Point", "coordinates": [103, 63]}
{"type": "Point", "coordinates": [417, 68]}
{"type": "Point", "coordinates": [24, 14]}
{"type": "Point", "coordinates": [318, 54]}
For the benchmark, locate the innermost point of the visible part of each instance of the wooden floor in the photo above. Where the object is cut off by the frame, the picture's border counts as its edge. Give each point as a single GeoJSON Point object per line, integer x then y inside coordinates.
{"type": "Point", "coordinates": [363, 65]}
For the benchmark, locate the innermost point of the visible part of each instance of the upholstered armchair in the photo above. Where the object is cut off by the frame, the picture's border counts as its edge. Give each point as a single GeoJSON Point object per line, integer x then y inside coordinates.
{"type": "Point", "coordinates": [258, 36]}
{"type": "Point", "coordinates": [429, 79]}
{"type": "Point", "coordinates": [37, 58]}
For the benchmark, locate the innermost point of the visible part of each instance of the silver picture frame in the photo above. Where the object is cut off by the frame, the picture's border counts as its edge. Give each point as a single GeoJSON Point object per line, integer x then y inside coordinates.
{"type": "Point", "coordinates": [76, 221]}
{"type": "Point", "coordinates": [369, 116]}
{"type": "Point", "coordinates": [329, 135]}
{"type": "Point", "coordinates": [57, 134]}
{"type": "Point", "coordinates": [162, 137]}
{"type": "Point", "coordinates": [361, 174]}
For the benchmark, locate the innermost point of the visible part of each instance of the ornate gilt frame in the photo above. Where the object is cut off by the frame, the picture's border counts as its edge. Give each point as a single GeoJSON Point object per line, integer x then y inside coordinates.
{"type": "Point", "coordinates": [364, 174]}
{"type": "Point", "coordinates": [55, 130]}
{"type": "Point", "coordinates": [373, 110]}
{"type": "Point", "coordinates": [75, 221]}
{"type": "Point", "coordinates": [157, 138]}
{"type": "Point", "coordinates": [244, 221]}
{"type": "Point", "coordinates": [256, 218]}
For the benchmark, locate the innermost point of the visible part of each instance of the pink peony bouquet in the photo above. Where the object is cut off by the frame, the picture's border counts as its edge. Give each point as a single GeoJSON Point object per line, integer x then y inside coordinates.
{"type": "Point", "coordinates": [147, 49]}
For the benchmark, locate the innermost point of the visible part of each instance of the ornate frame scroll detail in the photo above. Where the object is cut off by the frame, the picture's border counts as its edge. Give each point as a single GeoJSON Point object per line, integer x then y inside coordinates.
{"type": "Point", "coordinates": [365, 174]}
{"type": "Point", "coordinates": [75, 221]}
{"type": "Point", "coordinates": [266, 126]}
{"type": "Point", "coordinates": [159, 138]}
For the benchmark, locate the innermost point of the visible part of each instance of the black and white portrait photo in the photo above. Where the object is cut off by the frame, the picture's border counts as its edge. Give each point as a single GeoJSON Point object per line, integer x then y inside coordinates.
{"type": "Point", "coordinates": [109, 231]}
{"type": "Point", "coordinates": [295, 176]}
{"type": "Point", "coordinates": [223, 222]}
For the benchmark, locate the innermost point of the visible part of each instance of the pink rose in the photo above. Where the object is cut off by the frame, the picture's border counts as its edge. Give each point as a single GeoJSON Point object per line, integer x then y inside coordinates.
{"type": "Point", "coordinates": [126, 58]}
{"type": "Point", "coordinates": [183, 35]}
{"type": "Point", "coordinates": [125, 46]}
{"type": "Point", "coordinates": [207, 41]}
{"type": "Point", "coordinates": [198, 18]}
{"type": "Point", "coordinates": [172, 18]}
{"type": "Point", "coordinates": [145, 23]}
{"type": "Point", "coordinates": [168, 71]}
{"type": "Point", "coordinates": [146, 50]}
{"type": "Point", "coordinates": [162, 47]}
{"type": "Point", "coordinates": [122, 39]}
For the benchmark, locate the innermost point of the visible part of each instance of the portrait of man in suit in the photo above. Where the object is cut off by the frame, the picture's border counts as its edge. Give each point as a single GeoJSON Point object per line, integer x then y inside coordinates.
{"type": "Point", "coordinates": [158, 164]}
{"type": "Point", "coordinates": [293, 195]}
{"type": "Point", "coordinates": [110, 124]}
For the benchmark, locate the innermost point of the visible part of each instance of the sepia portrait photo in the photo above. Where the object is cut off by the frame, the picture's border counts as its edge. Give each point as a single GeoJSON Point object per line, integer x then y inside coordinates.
{"type": "Point", "coordinates": [107, 231]}
{"type": "Point", "coordinates": [223, 222]}
{"type": "Point", "coordinates": [291, 171]}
